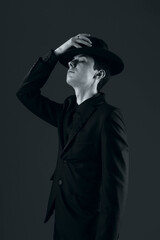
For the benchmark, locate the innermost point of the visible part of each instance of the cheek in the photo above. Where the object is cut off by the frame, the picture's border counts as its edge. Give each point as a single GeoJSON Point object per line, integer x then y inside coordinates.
{"type": "Point", "coordinates": [82, 72]}
{"type": "Point", "coordinates": [85, 71]}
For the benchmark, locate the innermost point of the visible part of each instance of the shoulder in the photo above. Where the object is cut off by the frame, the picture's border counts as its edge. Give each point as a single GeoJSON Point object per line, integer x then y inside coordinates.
{"type": "Point", "coordinates": [109, 110]}
{"type": "Point", "coordinates": [114, 122]}
{"type": "Point", "coordinates": [112, 114]}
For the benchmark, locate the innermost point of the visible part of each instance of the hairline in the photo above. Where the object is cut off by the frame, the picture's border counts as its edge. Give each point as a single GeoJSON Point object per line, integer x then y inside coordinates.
{"type": "Point", "coordinates": [82, 55]}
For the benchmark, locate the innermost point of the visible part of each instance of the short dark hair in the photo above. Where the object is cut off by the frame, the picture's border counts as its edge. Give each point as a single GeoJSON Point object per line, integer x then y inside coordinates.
{"type": "Point", "coordinates": [99, 64]}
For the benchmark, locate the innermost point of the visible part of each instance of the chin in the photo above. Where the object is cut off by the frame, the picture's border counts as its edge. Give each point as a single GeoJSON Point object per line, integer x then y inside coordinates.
{"type": "Point", "coordinates": [69, 81]}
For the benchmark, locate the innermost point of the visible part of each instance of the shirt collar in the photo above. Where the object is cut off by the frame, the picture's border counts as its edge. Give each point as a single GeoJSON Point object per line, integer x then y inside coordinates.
{"type": "Point", "coordinates": [81, 108]}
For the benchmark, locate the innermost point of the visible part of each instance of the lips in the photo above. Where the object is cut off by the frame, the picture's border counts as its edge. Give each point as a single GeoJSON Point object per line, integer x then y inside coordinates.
{"type": "Point", "coordinates": [70, 71]}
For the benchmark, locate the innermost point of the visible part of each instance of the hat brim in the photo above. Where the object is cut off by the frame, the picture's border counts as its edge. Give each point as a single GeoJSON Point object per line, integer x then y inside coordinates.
{"type": "Point", "coordinates": [113, 61]}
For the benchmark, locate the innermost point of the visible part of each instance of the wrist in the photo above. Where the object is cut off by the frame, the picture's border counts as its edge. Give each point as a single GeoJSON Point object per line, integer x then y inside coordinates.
{"type": "Point", "coordinates": [59, 51]}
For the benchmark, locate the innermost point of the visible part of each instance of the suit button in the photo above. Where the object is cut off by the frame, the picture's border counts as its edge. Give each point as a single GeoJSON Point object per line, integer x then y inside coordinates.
{"type": "Point", "coordinates": [60, 181]}
{"type": "Point", "coordinates": [64, 160]}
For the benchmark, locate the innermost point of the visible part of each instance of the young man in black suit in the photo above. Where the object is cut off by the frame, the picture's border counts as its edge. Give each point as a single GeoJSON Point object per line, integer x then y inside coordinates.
{"type": "Point", "coordinates": [90, 181]}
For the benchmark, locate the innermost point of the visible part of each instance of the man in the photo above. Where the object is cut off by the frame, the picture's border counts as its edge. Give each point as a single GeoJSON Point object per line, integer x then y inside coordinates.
{"type": "Point", "coordinates": [90, 181]}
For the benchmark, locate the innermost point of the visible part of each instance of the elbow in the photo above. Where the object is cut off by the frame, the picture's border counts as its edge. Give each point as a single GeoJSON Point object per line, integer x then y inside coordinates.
{"type": "Point", "coordinates": [18, 94]}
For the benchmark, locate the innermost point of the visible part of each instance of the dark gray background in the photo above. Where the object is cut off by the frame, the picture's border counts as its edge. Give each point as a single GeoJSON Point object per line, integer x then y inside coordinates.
{"type": "Point", "coordinates": [29, 145]}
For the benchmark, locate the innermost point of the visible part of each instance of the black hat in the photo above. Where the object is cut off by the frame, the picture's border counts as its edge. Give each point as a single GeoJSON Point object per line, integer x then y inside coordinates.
{"type": "Point", "coordinates": [98, 49]}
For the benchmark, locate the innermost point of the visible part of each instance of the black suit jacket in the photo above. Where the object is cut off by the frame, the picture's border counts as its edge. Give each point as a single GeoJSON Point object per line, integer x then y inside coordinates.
{"type": "Point", "coordinates": [90, 181]}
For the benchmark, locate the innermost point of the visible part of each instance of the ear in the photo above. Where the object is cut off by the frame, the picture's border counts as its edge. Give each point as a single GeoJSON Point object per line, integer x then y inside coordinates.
{"type": "Point", "coordinates": [100, 74]}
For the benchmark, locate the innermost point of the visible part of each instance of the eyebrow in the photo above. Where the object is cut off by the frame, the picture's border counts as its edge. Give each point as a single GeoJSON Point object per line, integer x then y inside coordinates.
{"type": "Point", "coordinates": [81, 55]}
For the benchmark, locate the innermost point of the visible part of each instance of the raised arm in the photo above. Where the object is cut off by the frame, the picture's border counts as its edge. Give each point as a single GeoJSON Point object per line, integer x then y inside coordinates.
{"type": "Point", "coordinates": [29, 91]}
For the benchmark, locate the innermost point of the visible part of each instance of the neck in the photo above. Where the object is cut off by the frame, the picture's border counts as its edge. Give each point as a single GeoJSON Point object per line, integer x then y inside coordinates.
{"type": "Point", "coordinates": [82, 95]}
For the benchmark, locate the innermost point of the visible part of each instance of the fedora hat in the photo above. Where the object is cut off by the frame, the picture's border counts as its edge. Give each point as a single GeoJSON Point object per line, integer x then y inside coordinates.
{"type": "Point", "coordinates": [98, 49]}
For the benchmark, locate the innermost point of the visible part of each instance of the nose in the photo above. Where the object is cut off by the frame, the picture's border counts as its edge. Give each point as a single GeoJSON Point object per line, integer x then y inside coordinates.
{"type": "Point", "coordinates": [73, 63]}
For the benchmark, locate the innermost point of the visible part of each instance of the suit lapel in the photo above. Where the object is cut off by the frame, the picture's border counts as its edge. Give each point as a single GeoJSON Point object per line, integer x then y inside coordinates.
{"type": "Point", "coordinates": [82, 121]}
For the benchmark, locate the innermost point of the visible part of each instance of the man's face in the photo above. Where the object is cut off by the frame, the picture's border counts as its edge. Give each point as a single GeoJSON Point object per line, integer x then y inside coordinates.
{"type": "Point", "coordinates": [80, 73]}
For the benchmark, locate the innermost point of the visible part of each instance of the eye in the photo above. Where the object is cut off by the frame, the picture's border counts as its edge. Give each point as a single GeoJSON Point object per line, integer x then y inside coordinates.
{"type": "Point", "coordinates": [82, 60]}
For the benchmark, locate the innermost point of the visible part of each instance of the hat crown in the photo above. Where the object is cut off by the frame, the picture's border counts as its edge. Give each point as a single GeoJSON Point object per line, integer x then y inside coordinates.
{"type": "Point", "coordinates": [98, 43]}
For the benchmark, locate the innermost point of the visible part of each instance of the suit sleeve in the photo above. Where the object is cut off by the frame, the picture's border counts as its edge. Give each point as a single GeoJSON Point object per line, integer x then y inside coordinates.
{"type": "Point", "coordinates": [115, 172]}
{"type": "Point", "coordinates": [29, 91]}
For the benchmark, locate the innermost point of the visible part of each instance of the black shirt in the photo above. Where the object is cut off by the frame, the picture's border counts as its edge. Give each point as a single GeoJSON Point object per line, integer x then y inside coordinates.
{"type": "Point", "coordinates": [74, 115]}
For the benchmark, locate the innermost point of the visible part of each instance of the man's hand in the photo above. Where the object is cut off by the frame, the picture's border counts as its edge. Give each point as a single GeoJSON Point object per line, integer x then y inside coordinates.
{"type": "Point", "coordinates": [74, 41]}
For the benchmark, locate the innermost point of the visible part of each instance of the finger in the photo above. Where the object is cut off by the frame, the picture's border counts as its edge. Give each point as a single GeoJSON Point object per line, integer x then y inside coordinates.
{"type": "Point", "coordinates": [76, 45]}
{"type": "Point", "coordinates": [85, 38]}
{"type": "Point", "coordinates": [83, 42]}
{"type": "Point", "coordinates": [87, 34]}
